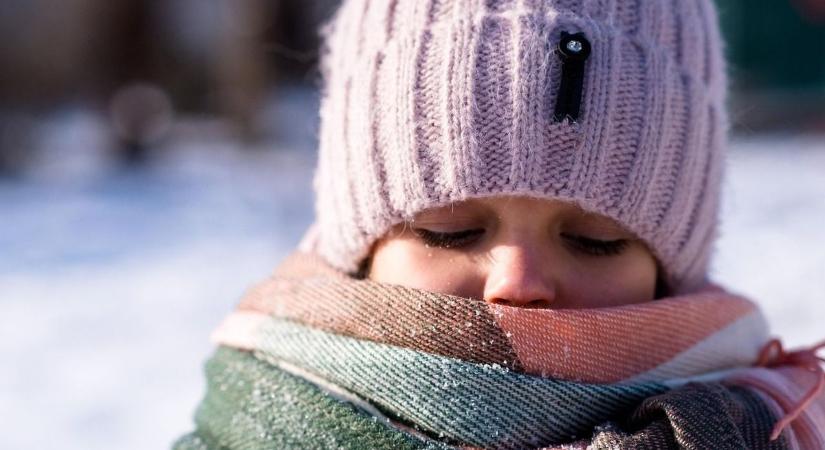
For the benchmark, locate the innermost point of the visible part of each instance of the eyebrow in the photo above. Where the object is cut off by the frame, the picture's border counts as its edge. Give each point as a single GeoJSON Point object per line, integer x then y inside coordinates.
{"type": "Point", "coordinates": [453, 210]}
{"type": "Point", "coordinates": [444, 218]}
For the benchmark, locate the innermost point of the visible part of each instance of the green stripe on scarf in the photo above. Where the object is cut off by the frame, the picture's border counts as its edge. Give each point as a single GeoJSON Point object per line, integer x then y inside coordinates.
{"type": "Point", "coordinates": [480, 404]}
{"type": "Point", "coordinates": [252, 405]}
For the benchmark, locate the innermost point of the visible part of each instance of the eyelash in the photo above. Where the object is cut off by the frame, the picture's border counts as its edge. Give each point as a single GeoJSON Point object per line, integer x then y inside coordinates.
{"type": "Point", "coordinates": [447, 240]}
{"type": "Point", "coordinates": [594, 247]}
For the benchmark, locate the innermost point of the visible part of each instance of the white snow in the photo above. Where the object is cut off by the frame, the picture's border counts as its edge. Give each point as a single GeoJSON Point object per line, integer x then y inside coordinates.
{"type": "Point", "coordinates": [772, 244]}
{"type": "Point", "coordinates": [110, 281]}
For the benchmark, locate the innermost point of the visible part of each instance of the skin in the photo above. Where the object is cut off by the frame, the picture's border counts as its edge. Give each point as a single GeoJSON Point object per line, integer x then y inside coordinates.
{"type": "Point", "coordinates": [518, 251]}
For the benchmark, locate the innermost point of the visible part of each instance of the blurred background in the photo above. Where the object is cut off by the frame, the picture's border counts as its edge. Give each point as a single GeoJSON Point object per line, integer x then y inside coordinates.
{"type": "Point", "coordinates": [156, 159]}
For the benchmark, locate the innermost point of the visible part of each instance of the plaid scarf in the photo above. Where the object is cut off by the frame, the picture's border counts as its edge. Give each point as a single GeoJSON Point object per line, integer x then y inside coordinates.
{"type": "Point", "coordinates": [312, 358]}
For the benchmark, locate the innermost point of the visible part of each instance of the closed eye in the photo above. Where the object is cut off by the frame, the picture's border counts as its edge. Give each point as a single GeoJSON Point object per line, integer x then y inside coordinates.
{"type": "Point", "coordinates": [448, 240]}
{"type": "Point", "coordinates": [596, 247]}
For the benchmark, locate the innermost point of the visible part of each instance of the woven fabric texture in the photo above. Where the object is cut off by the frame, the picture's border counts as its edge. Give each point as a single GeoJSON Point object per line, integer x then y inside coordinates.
{"type": "Point", "coordinates": [427, 102]}
{"type": "Point", "coordinates": [411, 368]}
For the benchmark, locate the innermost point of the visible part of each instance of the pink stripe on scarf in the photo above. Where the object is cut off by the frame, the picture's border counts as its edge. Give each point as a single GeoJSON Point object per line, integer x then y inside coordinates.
{"type": "Point", "coordinates": [610, 345]}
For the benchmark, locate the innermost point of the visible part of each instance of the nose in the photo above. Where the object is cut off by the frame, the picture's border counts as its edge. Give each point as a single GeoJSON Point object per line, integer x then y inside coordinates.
{"type": "Point", "coordinates": [518, 276]}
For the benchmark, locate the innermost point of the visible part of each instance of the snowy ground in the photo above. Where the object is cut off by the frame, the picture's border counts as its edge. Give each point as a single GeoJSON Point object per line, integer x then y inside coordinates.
{"type": "Point", "coordinates": [111, 281]}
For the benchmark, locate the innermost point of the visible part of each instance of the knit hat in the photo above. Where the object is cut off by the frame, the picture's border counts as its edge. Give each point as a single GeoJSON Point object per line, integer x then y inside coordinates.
{"type": "Point", "coordinates": [617, 106]}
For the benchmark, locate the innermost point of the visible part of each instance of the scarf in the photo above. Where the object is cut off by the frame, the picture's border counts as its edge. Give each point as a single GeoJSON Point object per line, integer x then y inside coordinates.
{"type": "Point", "coordinates": [312, 358]}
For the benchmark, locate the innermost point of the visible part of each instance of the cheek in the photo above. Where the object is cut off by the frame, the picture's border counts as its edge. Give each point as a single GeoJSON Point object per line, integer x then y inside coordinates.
{"type": "Point", "coordinates": [409, 264]}
{"type": "Point", "coordinates": [628, 279]}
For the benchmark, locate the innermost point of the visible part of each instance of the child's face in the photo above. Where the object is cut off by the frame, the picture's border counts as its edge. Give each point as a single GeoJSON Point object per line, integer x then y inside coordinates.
{"type": "Point", "coordinates": [518, 251]}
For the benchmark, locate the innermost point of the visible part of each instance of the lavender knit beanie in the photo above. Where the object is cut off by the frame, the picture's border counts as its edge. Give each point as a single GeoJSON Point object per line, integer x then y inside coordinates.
{"type": "Point", "coordinates": [615, 105]}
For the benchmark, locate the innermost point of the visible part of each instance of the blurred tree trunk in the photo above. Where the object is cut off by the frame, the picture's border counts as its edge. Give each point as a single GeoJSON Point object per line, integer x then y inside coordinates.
{"type": "Point", "coordinates": [241, 68]}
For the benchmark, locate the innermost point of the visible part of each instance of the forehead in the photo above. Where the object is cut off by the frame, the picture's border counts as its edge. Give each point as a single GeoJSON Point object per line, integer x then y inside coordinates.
{"type": "Point", "coordinates": [516, 208]}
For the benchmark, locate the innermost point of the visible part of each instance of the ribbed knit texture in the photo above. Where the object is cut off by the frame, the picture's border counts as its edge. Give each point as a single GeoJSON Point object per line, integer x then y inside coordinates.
{"type": "Point", "coordinates": [427, 102]}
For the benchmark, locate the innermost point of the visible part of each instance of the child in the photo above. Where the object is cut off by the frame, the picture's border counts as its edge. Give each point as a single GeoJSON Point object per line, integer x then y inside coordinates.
{"type": "Point", "coordinates": [516, 205]}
